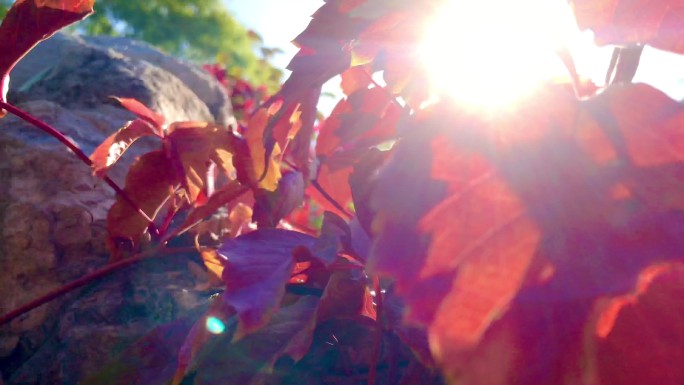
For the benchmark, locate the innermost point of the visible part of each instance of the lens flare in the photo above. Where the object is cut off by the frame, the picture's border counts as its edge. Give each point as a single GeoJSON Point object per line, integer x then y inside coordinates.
{"type": "Point", "coordinates": [215, 325]}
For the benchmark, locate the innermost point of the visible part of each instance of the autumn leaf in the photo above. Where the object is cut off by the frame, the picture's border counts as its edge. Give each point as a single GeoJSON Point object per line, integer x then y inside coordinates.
{"type": "Point", "coordinates": [114, 146]}
{"type": "Point", "coordinates": [29, 22]}
{"type": "Point", "coordinates": [642, 344]}
{"type": "Point", "coordinates": [258, 266]}
{"type": "Point", "coordinates": [193, 147]}
{"type": "Point", "coordinates": [221, 197]}
{"type": "Point", "coordinates": [333, 179]}
{"type": "Point", "coordinates": [272, 206]}
{"type": "Point", "coordinates": [355, 78]}
{"type": "Point", "coordinates": [252, 156]}
{"type": "Point", "coordinates": [556, 202]}
{"type": "Point", "coordinates": [141, 111]}
{"type": "Point", "coordinates": [149, 183]}
{"type": "Point", "coordinates": [214, 264]}
{"type": "Point", "coordinates": [367, 117]}
{"type": "Point", "coordinates": [346, 295]}
{"type": "Point", "coordinates": [361, 183]}
{"type": "Point", "coordinates": [622, 22]}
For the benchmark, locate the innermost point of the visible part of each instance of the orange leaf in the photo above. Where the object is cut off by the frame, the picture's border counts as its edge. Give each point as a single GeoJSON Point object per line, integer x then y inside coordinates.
{"type": "Point", "coordinates": [112, 148]}
{"type": "Point", "coordinates": [254, 136]}
{"type": "Point", "coordinates": [193, 147]}
{"type": "Point", "coordinates": [214, 264]}
{"type": "Point", "coordinates": [144, 113]}
{"type": "Point", "coordinates": [149, 183]}
{"type": "Point", "coordinates": [355, 78]}
{"type": "Point", "coordinates": [220, 198]}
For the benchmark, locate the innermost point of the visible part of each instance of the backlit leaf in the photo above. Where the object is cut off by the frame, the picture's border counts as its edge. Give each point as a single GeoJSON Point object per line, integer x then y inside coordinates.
{"type": "Point", "coordinates": [254, 162]}
{"type": "Point", "coordinates": [144, 113]}
{"type": "Point", "coordinates": [560, 193]}
{"type": "Point", "coordinates": [194, 146]}
{"type": "Point", "coordinates": [258, 266]}
{"type": "Point", "coordinates": [112, 148]}
{"type": "Point", "coordinates": [622, 22]}
{"type": "Point", "coordinates": [27, 23]}
{"type": "Point", "coordinates": [149, 183]}
{"type": "Point", "coordinates": [271, 207]}
{"type": "Point", "coordinates": [220, 198]}
{"type": "Point", "coordinates": [644, 344]}
{"type": "Point", "coordinates": [367, 117]}
{"type": "Point", "coordinates": [355, 78]}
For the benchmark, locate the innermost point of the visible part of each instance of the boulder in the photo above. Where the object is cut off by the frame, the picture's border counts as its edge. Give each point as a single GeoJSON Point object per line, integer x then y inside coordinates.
{"type": "Point", "coordinates": [70, 71]}
{"type": "Point", "coordinates": [53, 210]}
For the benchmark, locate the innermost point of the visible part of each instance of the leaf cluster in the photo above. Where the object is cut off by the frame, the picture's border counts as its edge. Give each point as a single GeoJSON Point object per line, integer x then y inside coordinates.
{"type": "Point", "coordinates": [540, 245]}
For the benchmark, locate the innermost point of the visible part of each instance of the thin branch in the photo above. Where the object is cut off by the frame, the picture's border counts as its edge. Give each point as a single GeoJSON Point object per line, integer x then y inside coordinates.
{"type": "Point", "coordinates": [330, 199]}
{"type": "Point", "coordinates": [48, 129]}
{"type": "Point", "coordinates": [86, 279]}
{"type": "Point", "coordinates": [157, 251]}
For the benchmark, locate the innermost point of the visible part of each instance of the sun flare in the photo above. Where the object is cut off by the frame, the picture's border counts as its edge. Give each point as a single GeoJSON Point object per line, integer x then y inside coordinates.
{"type": "Point", "coordinates": [489, 53]}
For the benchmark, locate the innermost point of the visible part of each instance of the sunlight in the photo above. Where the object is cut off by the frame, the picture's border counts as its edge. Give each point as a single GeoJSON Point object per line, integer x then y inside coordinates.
{"type": "Point", "coordinates": [489, 53]}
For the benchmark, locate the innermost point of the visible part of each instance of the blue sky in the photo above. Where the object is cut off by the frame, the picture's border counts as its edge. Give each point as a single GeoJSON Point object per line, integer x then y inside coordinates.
{"type": "Point", "coordinates": [277, 21]}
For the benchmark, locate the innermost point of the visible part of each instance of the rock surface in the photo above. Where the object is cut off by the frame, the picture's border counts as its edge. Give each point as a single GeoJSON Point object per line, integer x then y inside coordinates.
{"type": "Point", "coordinates": [53, 210]}
{"type": "Point", "coordinates": [70, 70]}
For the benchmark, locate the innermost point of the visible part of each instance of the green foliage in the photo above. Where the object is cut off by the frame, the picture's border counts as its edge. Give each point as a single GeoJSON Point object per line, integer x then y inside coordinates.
{"type": "Point", "coordinates": [4, 6]}
{"type": "Point", "coordinates": [198, 30]}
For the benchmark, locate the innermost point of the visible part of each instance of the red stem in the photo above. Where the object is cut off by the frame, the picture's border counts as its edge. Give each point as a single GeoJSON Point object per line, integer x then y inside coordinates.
{"type": "Point", "coordinates": [330, 199]}
{"type": "Point", "coordinates": [159, 250]}
{"type": "Point", "coordinates": [79, 154]}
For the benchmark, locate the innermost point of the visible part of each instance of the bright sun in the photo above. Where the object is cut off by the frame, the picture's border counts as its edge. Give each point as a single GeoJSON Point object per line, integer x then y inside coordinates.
{"type": "Point", "coordinates": [488, 53]}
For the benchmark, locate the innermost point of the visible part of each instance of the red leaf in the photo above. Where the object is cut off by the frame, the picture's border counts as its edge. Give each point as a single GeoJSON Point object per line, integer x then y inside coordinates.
{"type": "Point", "coordinates": [144, 113]}
{"type": "Point", "coordinates": [252, 157]}
{"type": "Point", "coordinates": [528, 217]}
{"type": "Point", "coordinates": [193, 147]}
{"type": "Point", "coordinates": [112, 148]}
{"type": "Point", "coordinates": [27, 23]}
{"type": "Point", "coordinates": [335, 183]}
{"type": "Point", "coordinates": [368, 117]}
{"type": "Point", "coordinates": [220, 198]}
{"type": "Point", "coordinates": [621, 22]}
{"type": "Point", "coordinates": [355, 78]}
{"type": "Point", "coordinates": [645, 344]}
{"type": "Point", "coordinates": [149, 183]}
{"type": "Point", "coordinates": [258, 265]}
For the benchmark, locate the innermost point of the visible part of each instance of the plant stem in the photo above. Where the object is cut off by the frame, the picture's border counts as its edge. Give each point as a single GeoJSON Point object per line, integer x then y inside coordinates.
{"type": "Point", "coordinates": [25, 116]}
{"type": "Point", "coordinates": [330, 199]}
{"type": "Point", "coordinates": [88, 278]}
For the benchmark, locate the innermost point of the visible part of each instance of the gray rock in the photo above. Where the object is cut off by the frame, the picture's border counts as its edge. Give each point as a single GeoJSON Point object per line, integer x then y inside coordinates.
{"type": "Point", "coordinates": [70, 69]}
{"type": "Point", "coordinates": [203, 84]}
{"type": "Point", "coordinates": [53, 211]}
